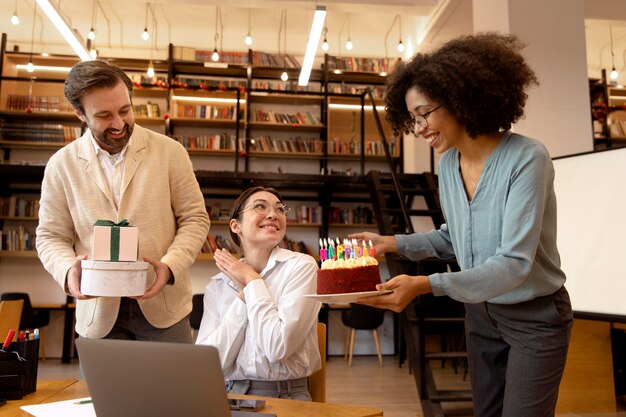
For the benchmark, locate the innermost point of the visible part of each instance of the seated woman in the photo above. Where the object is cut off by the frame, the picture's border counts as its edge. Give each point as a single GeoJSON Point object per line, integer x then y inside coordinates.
{"type": "Point", "coordinates": [254, 310]}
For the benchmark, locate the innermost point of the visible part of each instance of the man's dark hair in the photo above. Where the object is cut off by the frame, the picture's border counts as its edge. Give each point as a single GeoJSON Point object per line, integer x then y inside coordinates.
{"type": "Point", "coordinates": [93, 74]}
{"type": "Point", "coordinates": [480, 79]}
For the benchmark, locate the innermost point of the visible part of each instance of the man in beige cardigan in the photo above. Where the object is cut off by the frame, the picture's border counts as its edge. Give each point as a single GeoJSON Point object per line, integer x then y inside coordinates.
{"type": "Point", "coordinates": [118, 170]}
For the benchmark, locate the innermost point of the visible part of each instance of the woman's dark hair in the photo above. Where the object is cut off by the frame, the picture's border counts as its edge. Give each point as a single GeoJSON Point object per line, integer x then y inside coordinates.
{"type": "Point", "coordinates": [93, 74]}
{"type": "Point", "coordinates": [240, 202]}
{"type": "Point", "coordinates": [480, 79]}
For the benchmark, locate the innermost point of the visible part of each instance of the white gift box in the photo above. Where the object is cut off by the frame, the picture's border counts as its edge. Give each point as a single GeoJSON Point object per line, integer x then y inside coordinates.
{"type": "Point", "coordinates": [114, 279]}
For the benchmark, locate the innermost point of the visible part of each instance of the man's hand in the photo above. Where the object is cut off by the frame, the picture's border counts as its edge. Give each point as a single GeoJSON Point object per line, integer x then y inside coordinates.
{"type": "Point", "coordinates": [163, 275]}
{"type": "Point", "coordinates": [73, 279]}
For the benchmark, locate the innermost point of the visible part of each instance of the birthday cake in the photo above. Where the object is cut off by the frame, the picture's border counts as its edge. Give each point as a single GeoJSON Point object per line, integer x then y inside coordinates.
{"type": "Point", "coordinates": [340, 276]}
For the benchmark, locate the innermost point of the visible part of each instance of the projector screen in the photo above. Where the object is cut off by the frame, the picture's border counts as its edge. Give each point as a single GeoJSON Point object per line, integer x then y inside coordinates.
{"type": "Point", "coordinates": [591, 201]}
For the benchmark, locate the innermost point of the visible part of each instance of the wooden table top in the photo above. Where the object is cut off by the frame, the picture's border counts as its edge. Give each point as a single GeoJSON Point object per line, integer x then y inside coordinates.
{"type": "Point", "coordinates": [67, 389]}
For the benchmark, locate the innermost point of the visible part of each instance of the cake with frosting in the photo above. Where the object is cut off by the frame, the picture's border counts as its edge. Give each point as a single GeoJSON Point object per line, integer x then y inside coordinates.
{"type": "Point", "coordinates": [340, 276]}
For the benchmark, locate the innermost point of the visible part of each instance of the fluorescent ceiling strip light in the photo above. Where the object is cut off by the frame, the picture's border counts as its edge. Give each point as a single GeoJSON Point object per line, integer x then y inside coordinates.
{"type": "Point", "coordinates": [64, 29]}
{"type": "Point", "coordinates": [45, 68]}
{"type": "Point", "coordinates": [353, 107]}
{"type": "Point", "coordinates": [207, 99]}
{"type": "Point", "coordinates": [311, 47]}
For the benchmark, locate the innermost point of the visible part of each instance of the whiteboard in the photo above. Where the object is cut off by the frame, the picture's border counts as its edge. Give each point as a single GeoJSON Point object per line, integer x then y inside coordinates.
{"type": "Point", "coordinates": [591, 230]}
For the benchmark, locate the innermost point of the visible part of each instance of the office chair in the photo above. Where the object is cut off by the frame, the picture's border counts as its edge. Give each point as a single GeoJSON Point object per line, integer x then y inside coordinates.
{"type": "Point", "coordinates": [10, 314]}
{"type": "Point", "coordinates": [195, 318]}
{"type": "Point", "coordinates": [362, 317]}
{"type": "Point", "coordinates": [317, 380]}
{"type": "Point", "coordinates": [31, 318]}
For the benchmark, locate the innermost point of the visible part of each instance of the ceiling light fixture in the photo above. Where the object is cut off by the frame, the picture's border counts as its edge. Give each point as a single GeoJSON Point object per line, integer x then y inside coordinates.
{"type": "Point", "coordinates": [30, 67]}
{"type": "Point", "coordinates": [248, 39]}
{"type": "Point", "coordinates": [215, 56]}
{"type": "Point", "coordinates": [325, 45]}
{"type": "Point", "coordinates": [15, 19]}
{"type": "Point", "coordinates": [614, 74]}
{"type": "Point", "coordinates": [150, 71]}
{"type": "Point", "coordinates": [349, 42]}
{"type": "Point", "coordinates": [145, 35]}
{"type": "Point", "coordinates": [92, 31]}
{"type": "Point", "coordinates": [283, 29]}
{"type": "Point", "coordinates": [64, 29]}
{"type": "Point", "coordinates": [314, 39]}
{"type": "Point", "coordinates": [400, 44]}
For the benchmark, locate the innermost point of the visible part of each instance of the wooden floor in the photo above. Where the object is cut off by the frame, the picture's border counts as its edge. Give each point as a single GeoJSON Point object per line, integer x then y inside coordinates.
{"type": "Point", "coordinates": [364, 383]}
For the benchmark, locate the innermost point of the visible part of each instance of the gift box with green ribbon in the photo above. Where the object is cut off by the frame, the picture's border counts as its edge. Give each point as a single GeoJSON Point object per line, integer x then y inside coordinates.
{"type": "Point", "coordinates": [115, 242]}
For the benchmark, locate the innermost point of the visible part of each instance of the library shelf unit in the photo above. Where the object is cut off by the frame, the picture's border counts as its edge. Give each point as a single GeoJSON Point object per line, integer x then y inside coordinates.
{"type": "Point", "coordinates": [608, 113]}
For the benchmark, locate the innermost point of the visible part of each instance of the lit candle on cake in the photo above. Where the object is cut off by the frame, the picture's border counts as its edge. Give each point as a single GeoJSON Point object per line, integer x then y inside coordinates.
{"type": "Point", "coordinates": [357, 249]}
{"type": "Point", "coordinates": [347, 249]}
{"type": "Point", "coordinates": [365, 250]}
{"type": "Point", "coordinates": [331, 249]}
{"type": "Point", "coordinates": [322, 250]}
{"type": "Point", "coordinates": [372, 250]}
{"type": "Point", "coordinates": [340, 253]}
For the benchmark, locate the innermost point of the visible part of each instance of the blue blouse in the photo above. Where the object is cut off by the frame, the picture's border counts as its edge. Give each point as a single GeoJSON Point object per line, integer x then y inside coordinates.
{"type": "Point", "coordinates": [504, 239]}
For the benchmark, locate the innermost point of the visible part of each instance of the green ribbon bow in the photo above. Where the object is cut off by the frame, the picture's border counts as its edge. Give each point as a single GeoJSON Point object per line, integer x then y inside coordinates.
{"type": "Point", "coordinates": [115, 235]}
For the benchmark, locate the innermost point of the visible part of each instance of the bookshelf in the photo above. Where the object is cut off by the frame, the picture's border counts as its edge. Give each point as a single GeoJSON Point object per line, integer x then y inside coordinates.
{"type": "Point", "coordinates": [608, 113]}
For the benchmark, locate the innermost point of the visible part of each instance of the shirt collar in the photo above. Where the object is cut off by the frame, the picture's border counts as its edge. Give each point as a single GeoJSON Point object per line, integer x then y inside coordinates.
{"type": "Point", "coordinates": [100, 151]}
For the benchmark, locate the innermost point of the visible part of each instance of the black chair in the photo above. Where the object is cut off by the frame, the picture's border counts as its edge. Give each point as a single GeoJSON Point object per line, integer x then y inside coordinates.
{"type": "Point", "coordinates": [362, 317]}
{"type": "Point", "coordinates": [195, 318]}
{"type": "Point", "coordinates": [32, 318]}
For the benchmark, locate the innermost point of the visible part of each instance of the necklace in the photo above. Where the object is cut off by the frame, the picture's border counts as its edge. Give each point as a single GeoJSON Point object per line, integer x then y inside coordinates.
{"type": "Point", "coordinates": [465, 172]}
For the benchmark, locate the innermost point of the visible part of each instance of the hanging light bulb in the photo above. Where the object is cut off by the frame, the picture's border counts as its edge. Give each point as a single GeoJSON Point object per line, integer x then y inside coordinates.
{"type": "Point", "coordinates": [15, 18]}
{"type": "Point", "coordinates": [284, 76]}
{"type": "Point", "coordinates": [400, 46]}
{"type": "Point", "coordinates": [215, 56]}
{"type": "Point", "coordinates": [150, 71]}
{"type": "Point", "coordinates": [92, 34]}
{"type": "Point", "coordinates": [145, 35]}
{"type": "Point", "coordinates": [325, 46]}
{"type": "Point", "coordinates": [248, 39]}
{"type": "Point", "coordinates": [614, 74]}
{"type": "Point", "coordinates": [93, 53]}
{"type": "Point", "coordinates": [30, 67]}
{"type": "Point", "coordinates": [349, 45]}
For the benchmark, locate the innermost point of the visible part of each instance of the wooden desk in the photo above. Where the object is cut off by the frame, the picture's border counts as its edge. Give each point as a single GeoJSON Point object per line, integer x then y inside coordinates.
{"type": "Point", "coordinates": [67, 389]}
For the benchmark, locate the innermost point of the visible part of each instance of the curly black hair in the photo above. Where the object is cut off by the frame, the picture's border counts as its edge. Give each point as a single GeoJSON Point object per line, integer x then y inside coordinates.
{"type": "Point", "coordinates": [480, 79]}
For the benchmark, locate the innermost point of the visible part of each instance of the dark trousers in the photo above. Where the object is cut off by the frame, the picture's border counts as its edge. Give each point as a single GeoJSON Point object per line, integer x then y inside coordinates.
{"type": "Point", "coordinates": [131, 324]}
{"type": "Point", "coordinates": [516, 355]}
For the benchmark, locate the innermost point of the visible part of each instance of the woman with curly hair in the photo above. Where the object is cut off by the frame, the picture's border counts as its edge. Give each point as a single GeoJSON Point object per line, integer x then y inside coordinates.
{"type": "Point", "coordinates": [497, 195]}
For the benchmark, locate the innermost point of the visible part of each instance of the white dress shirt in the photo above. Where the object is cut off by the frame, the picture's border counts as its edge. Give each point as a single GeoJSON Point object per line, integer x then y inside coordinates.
{"type": "Point", "coordinates": [273, 335]}
{"type": "Point", "coordinates": [113, 168]}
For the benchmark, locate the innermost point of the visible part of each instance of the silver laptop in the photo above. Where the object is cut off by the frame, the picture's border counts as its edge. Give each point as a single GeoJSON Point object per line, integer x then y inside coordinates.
{"type": "Point", "coordinates": [154, 379]}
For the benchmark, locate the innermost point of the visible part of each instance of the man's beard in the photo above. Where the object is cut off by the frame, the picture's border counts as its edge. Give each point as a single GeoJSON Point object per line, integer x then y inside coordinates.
{"type": "Point", "coordinates": [110, 144]}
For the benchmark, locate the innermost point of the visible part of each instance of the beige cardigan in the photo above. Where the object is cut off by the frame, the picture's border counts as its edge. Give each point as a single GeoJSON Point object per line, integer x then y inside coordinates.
{"type": "Point", "coordinates": [160, 195]}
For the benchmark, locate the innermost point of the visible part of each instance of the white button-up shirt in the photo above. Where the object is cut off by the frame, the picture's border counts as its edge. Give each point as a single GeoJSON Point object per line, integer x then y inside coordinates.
{"type": "Point", "coordinates": [113, 168]}
{"type": "Point", "coordinates": [273, 335]}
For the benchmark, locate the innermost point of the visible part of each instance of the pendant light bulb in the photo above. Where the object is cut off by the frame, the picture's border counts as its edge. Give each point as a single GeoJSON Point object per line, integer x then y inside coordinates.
{"type": "Point", "coordinates": [248, 39]}
{"type": "Point", "coordinates": [284, 76]}
{"type": "Point", "coordinates": [215, 56]}
{"type": "Point", "coordinates": [150, 71]}
{"type": "Point", "coordinates": [30, 67]}
{"type": "Point", "coordinates": [325, 46]}
{"type": "Point", "coordinates": [15, 19]}
{"type": "Point", "coordinates": [145, 35]}
{"type": "Point", "coordinates": [93, 53]}
{"type": "Point", "coordinates": [92, 34]}
{"type": "Point", "coordinates": [349, 45]}
{"type": "Point", "coordinates": [614, 74]}
{"type": "Point", "coordinates": [400, 46]}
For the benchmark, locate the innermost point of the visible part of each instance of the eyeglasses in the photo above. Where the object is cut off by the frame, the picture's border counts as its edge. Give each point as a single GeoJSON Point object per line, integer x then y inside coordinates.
{"type": "Point", "coordinates": [262, 207]}
{"type": "Point", "coordinates": [421, 120]}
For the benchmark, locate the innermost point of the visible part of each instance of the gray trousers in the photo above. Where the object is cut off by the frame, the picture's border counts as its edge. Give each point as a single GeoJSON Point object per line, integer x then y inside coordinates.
{"type": "Point", "coordinates": [516, 355]}
{"type": "Point", "coordinates": [293, 389]}
{"type": "Point", "coordinates": [131, 324]}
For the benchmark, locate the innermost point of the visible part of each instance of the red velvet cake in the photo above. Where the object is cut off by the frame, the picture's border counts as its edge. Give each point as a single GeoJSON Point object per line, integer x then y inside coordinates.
{"type": "Point", "coordinates": [343, 276]}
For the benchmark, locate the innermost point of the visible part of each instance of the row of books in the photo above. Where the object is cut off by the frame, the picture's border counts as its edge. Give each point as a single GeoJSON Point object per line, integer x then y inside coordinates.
{"type": "Point", "coordinates": [147, 110]}
{"type": "Point", "coordinates": [299, 118]}
{"type": "Point", "coordinates": [296, 246]}
{"type": "Point", "coordinates": [224, 141]}
{"type": "Point", "coordinates": [204, 111]}
{"type": "Point", "coordinates": [39, 132]}
{"type": "Point", "coordinates": [289, 145]}
{"type": "Point", "coordinates": [283, 86]}
{"type": "Point", "coordinates": [207, 83]}
{"type": "Point", "coordinates": [353, 147]}
{"type": "Point", "coordinates": [217, 212]}
{"type": "Point", "coordinates": [358, 215]}
{"type": "Point", "coordinates": [20, 239]}
{"type": "Point", "coordinates": [14, 206]}
{"type": "Point", "coordinates": [306, 215]}
{"type": "Point", "coordinates": [39, 103]}
{"type": "Point", "coordinates": [362, 64]}
{"type": "Point", "coordinates": [213, 243]}
{"type": "Point", "coordinates": [143, 80]}
{"type": "Point", "coordinates": [263, 59]}
{"type": "Point", "coordinates": [239, 58]}
{"type": "Point", "coordinates": [343, 88]}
